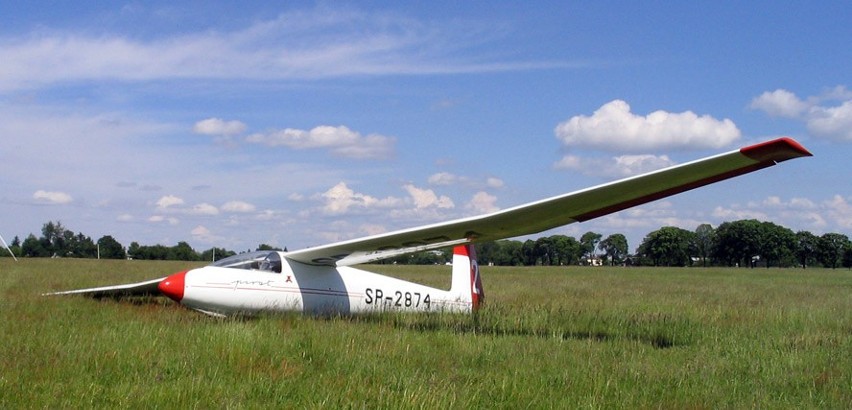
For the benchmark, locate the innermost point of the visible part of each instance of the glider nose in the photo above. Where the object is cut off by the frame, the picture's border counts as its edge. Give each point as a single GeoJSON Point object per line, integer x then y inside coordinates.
{"type": "Point", "coordinates": [173, 286]}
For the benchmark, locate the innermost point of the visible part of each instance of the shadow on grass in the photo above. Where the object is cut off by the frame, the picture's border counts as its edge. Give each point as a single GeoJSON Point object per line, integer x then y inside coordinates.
{"type": "Point", "coordinates": [657, 335]}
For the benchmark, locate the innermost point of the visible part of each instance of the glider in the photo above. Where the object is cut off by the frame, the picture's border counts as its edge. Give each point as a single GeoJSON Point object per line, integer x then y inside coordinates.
{"type": "Point", "coordinates": [322, 279]}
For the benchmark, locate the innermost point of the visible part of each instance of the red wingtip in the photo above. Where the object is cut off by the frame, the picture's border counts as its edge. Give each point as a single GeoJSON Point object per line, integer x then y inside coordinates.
{"type": "Point", "coordinates": [777, 150]}
{"type": "Point", "coordinates": [173, 286]}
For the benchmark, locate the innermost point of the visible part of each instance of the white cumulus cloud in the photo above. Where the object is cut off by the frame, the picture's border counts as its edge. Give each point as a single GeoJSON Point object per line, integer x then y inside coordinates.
{"type": "Point", "coordinates": [483, 202]}
{"type": "Point", "coordinates": [218, 127]}
{"type": "Point", "coordinates": [238, 207]}
{"type": "Point", "coordinates": [52, 197]}
{"type": "Point", "coordinates": [204, 209]}
{"type": "Point", "coordinates": [426, 198]}
{"type": "Point", "coordinates": [340, 141]}
{"type": "Point", "coordinates": [780, 103]}
{"type": "Point", "coordinates": [340, 198]}
{"type": "Point", "coordinates": [822, 120]}
{"type": "Point", "coordinates": [169, 201]}
{"type": "Point", "coordinates": [614, 128]}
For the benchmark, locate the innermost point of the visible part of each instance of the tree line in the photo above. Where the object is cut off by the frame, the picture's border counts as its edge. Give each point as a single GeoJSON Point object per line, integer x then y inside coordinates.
{"type": "Point", "coordinates": [747, 243]}
{"type": "Point", "coordinates": [57, 241]}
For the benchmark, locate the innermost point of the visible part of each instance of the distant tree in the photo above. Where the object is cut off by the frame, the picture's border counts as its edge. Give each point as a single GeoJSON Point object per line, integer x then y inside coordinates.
{"type": "Point", "coordinates": [702, 242]}
{"type": "Point", "coordinates": [847, 257]}
{"type": "Point", "coordinates": [219, 253]}
{"type": "Point", "coordinates": [80, 246]}
{"type": "Point", "coordinates": [615, 248]}
{"type": "Point", "coordinates": [134, 251]}
{"type": "Point", "coordinates": [182, 252]}
{"type": "Point", "coordinates": [34, 248]}
{"type": "Point", "coordinates": [265, 247]}
{"type": "Point", "coordinates": [589, 242]}
{"type": "Point", "coordinates": [528, 252]}
{"type": "Point", "coordinates": [566, 250]}
{"type": "Point", "coordinates": [543, 251]}
{"type": "Point", "coordinates": [830, 249]}
{"type": "Point", "coordinates": [737, 242]}
{"type": "Point", "coordinates": [15, 246]}
{"type": "Point", "coordinates": [806, 247]}
{"type": "Point", "coordinates": [667, 246]}
{"type": "Point", "coordinates": [54, 238]}
{"type": "Point", "coordinates": [776, 244]}
{"type": "Point", "coordinates": [110, 248]}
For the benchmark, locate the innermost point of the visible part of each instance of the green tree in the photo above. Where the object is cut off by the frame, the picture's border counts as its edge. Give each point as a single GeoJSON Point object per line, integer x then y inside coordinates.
{"type": "Point", "coordinates": [806, 247]}
{"type": "Point", "coordinates": [667, 246]}
{"type": "Point", "coordinates": [847, 257]}
{"type": "Point", "coordinates": [80, 246]}
{"type": "Point", "coordinates": [34, 248]}
{"type": "Point", "coordinates": [737, 242]}
{"type": "Point", "coordinates": [182, 252]}
{"type": "Point", "coordinates": [776, 244]}
{"type": "Point", "coordinates": [219, 253]}
{"type": "Point", "coordinates": [543, 251]}
{"type": "Point", "coordinates": [702, 242]}
{"type": "Point", "coordinates": [109, 248]}
{"type": "Point", "coordinates": [566, 250]}
{"type": "Point", "coordinates": [830, 249]}
{"type": "Point", "coordinates": [589, 242]}
{"type": "Point", "coordinates": [615, 248]}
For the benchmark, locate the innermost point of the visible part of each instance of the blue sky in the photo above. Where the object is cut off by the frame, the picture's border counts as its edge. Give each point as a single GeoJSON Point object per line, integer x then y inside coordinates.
{"type": "Point", "coordinates": [231, 125]}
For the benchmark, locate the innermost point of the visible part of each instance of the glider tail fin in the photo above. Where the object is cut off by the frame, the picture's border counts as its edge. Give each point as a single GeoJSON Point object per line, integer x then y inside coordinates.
{"type": "Point", "coordinates": [466, 280]}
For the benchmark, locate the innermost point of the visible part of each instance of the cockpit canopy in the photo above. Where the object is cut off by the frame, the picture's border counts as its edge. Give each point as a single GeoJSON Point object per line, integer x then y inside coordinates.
{"type": "Point", "coordinates": [269, 261]}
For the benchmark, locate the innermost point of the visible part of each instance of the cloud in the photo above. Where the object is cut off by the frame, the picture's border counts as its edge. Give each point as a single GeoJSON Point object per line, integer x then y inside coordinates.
{"type": "Point", "coordinates": [614, 128]}
{"type": "Point", "coordinates": [238, 207]}
{"type": "Point", "coordinates": [493, 182]}
{"type": "Point", "coordinates": [446, 178]}
{"type": "Point", "coordinates": [616, 167]}
{"type": "Point", "coordinates": [482, 203]}
{"type": "Point", "coordinates": [202, 234]}
{"type": "Point", "coordinates": [839, 210]}
{"type": "Point", "coordinates": [320, 43]}
{"type": "Point", "coordinates": [426, 198]}
{"type": "Point", "coordinates": [780, 103]}
{"type": "Point", "coordinates": [831, 122]}
{"type": "Point", "coordinates": [443, 178]}
{"type": "Point", "coordinates": [340, 198]}
{"type": "Point", "coordinates": [340, 140]}
{"type": "Point", "coordinates": [52, 197]}
{"type": "Point", "coordinates": [161, 218]}
{"type": "Point", "coordinates": [169, 201]}
{"type": "Point", "coordinates": [218, 127]}
{"type": "Point", "coordinates": [203, 209]}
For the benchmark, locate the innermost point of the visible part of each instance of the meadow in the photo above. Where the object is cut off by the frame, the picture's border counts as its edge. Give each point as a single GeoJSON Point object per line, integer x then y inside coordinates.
{"type": "Point", "coordinates": [547, 337]}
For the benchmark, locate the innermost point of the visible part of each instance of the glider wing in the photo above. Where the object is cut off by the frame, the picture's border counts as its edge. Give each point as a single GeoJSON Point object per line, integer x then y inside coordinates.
{"type": "Point", "coordinates": [132, 289]}
{"type": "Point", "coordinates": [560, 210]}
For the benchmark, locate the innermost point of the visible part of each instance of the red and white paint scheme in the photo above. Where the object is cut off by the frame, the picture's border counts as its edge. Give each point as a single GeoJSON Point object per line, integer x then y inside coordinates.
{"type": "Point", "coordinates": [322, 280]}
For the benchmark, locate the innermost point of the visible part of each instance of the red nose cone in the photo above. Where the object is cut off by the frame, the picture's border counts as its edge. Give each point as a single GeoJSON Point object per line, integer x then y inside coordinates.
{"type": "Point", "coordinates": [172, 286]}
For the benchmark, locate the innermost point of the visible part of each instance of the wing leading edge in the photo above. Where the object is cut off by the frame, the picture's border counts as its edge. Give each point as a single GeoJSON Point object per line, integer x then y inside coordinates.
{"type": "Point", "coordinates": [577, 206]}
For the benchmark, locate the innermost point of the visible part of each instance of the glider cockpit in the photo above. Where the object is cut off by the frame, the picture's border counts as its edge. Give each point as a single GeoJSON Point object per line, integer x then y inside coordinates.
{"type": "Point", "coordinates": [267, 261]}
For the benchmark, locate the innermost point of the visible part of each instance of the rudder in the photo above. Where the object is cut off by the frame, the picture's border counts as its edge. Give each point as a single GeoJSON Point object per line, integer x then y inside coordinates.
{"type": "Point", "coordinates": [466, 280]}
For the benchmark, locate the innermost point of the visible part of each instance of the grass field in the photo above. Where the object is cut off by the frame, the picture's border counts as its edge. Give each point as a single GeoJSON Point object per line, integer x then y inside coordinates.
{"type": "Point", "coordinates": [548, 337]}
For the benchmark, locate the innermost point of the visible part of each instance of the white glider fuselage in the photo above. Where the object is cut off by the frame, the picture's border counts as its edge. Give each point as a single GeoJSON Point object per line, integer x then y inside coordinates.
{"type": "Point", "coordinates": [251, 288]}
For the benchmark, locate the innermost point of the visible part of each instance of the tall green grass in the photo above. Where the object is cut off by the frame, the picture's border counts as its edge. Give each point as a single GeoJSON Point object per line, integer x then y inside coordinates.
{"type": "Point", "coordinates": [547, 337]}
